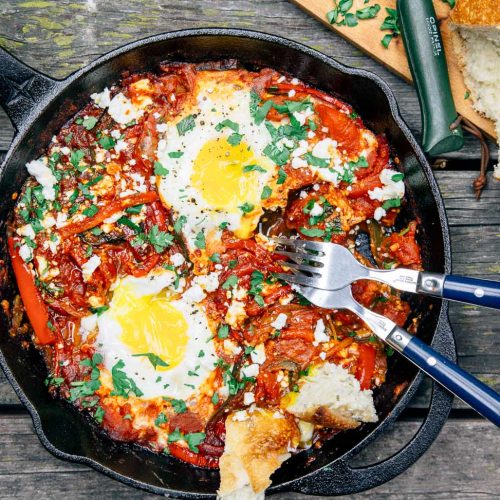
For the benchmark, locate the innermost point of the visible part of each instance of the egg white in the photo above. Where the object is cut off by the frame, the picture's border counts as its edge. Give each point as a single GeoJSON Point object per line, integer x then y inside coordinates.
{"type": "Point", "coordinates": [174, 382]}
{"type": "Point", "coordinates": [176, 189]}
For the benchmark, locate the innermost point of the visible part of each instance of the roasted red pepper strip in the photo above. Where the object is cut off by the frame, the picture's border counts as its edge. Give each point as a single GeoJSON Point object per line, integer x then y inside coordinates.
{"type": "Point", "coordinates": [366, 365]}
{"type": "Point", "coordinates": [36, 309]}
{"type": "Point", "coordinates": [191, 457]}
{"type": "Point", "coordinates": [108, 211]}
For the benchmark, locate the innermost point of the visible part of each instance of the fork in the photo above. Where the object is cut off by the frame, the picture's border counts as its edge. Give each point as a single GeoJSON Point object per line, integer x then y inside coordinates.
{"type": "Point", "coordinates": [478, 395]}
{"type": "Point", "coordinates": [331, 267]}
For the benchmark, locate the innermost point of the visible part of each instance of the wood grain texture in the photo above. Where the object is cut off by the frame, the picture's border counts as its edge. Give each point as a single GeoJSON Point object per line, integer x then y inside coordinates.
{"type": "Point", "coordinates": [57, 37]}
{"type": "Point", "coordinates": [28, 470]}
{"type": "Point", "coordinates": [366, 36]}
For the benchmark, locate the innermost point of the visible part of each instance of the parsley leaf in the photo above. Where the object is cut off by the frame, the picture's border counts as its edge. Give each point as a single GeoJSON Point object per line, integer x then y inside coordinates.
{"type": "Point", "coordinates": [159, 239]}
{"type": "Point", "coordinates": [199, 241]}
{"type": "Point", "coordinates": [393, 203]}
{"type": "Point", "coordinates": [254, 168]}
{"type": "Point", "coordinates": [281, 176]}
{"type": "Point", "coordinates": [125, 221]}
{"type": "Point", "coordinates": [193, 439]}
{"type": "Point", "coordinates": [107, 142]}
{"type": "Point", "coordinates": [186, 124]}
{"type": "Point", "coordinates": [179, 223]}
{"type": "Point", "coordinates": [316, 161]}
{"type": "Point", "coordinates": [159, 169]}
{"type": "Point", "coordinates": [229, 124]}
{"type": "Point", "coordinates": [122, 384]}
{"type": "Point", "coordinates": [175, 154]}
{"type": "Point", "coordinates": [231, 282]}
{"type": "Point", "coordinates": [313, 232]}
{"type": "Point", "coordinates": [175, 435]}
{"type": "Point", "coordinates": [397, 177]}
{"type": "Point", "coordinates": [153, 359]}
{"type": "Point", "coordinates": [266, 193]}
{"type": "Point", "coordinates": [89, 122]}
{"type": "Point", "coordinates": [91, 211]}
{"type": "Point", "coordinates": [279, 156]}
{"type": "Point", "coordinates": [223, 331]}
{"type": "Point", "coordinates": [99, 310]}
{"type": "Point", "coordinates": [161, 419]}
{"type": "Point", "coordinates": [75, 158]}
{"type": "Point", "coordinates": [178, 405]}
{"type": "Point", "coordinates": [246, 208]}
{"type": "Point", "coordinates": [234, 139]}
{"type": "Point", "coordinates": [261, 111]}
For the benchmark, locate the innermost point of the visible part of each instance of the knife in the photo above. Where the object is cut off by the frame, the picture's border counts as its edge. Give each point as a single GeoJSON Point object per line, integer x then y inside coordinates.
{"type": "Point", "coordinates": [425, 51]}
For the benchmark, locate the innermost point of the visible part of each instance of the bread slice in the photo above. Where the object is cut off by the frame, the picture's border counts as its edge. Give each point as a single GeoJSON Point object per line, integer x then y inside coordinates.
{"type": "Point", "coordinates": [476, 38]}
{"type": "Point", "coordinates": [331, 397]}
{"type": "Point", "coordinates": [258, 441]}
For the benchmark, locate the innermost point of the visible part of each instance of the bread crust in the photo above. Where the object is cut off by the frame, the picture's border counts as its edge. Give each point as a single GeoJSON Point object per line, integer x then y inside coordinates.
{"type": "Point", "coordinates": [476, 13]}
{"type": "Point", "coordinates": [255, 448]}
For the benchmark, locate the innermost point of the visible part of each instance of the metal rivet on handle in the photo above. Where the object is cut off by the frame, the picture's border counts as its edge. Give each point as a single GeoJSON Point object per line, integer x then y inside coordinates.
{"type": "Point", "coordinates": [431, 361]}
{"type": "Point", "coordinates": [479, 292]}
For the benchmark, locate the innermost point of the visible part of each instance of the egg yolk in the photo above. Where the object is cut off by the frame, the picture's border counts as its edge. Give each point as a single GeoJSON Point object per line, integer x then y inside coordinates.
{"type": "Point", "coordinates": [151, 324]}
{"type": "Point", "coordinates": [218, 174]}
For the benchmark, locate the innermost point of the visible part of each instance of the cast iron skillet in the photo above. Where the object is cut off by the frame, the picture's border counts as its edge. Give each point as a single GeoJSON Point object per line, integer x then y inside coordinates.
{"type": "Point", "coordinates": [38, 106]}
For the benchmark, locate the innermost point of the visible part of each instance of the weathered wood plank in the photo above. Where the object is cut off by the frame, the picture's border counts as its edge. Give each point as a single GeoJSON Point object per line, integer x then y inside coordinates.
{"type": "Point", "coordinates": [46, 36]}
{"type": "Point", "coordinates": [27, 469]}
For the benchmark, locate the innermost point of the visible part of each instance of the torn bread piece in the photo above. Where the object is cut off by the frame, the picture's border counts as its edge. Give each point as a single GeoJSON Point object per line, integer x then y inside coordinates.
{"type": "Point", "coordinates": [331, 397]}
{"type": "Point", "coordinates": [476, 39]}
{"type": "Point", "coordinates": [257, 444]}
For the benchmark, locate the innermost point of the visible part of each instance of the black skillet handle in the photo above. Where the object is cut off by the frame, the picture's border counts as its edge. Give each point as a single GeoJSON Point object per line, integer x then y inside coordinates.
{"type": "Point", "coordinates": [341, 478]}
{"type": "Point", "coordinates": [21, 88]}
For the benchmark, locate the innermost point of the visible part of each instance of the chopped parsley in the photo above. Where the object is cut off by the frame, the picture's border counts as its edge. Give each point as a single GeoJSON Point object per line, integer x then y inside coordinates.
{"type": "Point", "coordinates": [254, 168]}
{"type": "Point", "coordinates": [178, 405]}
{"type": "Point", "coordinates": [179, 223]}
{"type": "Point", "coordinates": [154, 359]}
{"type": "Point", "coordinates": [99, 310]}
{"type": "Point", "coordinates": [186, 124]}
{"type": "Point", "coordinates": [75, 158]}
{"type": "Point", "coordinates": [89, 122]}
{"type": "Point", "coordinates": [122, 384]}
{"type": "Point", "coordinates": [229, 124]}
{"type": "Point", "coordinates": [159, 239]}
{"type": "Point", "coordinates": [223, 331]}
{"type": "Point", "coordinates": [91, 211]}
{"type": "Point", "coordinates": [159, 169]}
{"type": "Point", "coordinates": [215, 257]}
{"type": "Point", "coordinates": [266, 193]}
{"type": "Point", "coordinates": [246, 208]}
{"type": "Point", "coordinates": [199, 241]}
{"type": "Point", "coordinates": [231, 282]}
{"type": "Point", "coordinates": [234, 139]}
{"type": "Point", "coordinates": [215, 398]}
{"type": "Point", "coordinates": [393, 203]}
{"type": "Point", "coordinates": [281, 176]}
{"type": "Point", "coordinates": [315, 161]}
{"type": "Point", "coordinates": [175, 154]}
{"type": "Point", "coordinates": [161, 419]}
{"type": "Point", "coordinates": [107, 142]}
{"type": "Point", "coordinates": [312, 233]}
{"type": "Point", "coordinates": [397, 177]}
{"type": "Point", "coordinates": [125, 221]}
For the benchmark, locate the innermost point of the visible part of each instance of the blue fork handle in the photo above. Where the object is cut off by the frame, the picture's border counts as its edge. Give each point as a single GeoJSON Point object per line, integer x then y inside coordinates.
{"type": "Point", "coordinates": [484, 293]}
{"type": "Point", "coordinates": [479, 396]}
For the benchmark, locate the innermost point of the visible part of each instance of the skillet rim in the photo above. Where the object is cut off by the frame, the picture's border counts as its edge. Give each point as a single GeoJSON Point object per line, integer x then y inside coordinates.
{"type": "Point", "coordinates": [59, 86]}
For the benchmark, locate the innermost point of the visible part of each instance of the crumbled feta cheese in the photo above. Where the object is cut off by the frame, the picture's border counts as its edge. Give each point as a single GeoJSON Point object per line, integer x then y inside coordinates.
{"type": "Point", "coordinates": [303, 194]}
{"type": "Point", "coordinates": [248, 398]}
{"type": "Point", "coordinates": [299, 162]}
{"type": "Point", "coordinates": [121, 145]}
{"type": "Point", "coordinates": [177, 259]}
{"type": "Point", "coordinates": [379, 213]}
{"type": "Point", "coordinates": [65, 150]}
{"type": "Point", "coordinates": [25, 252]}
{"type": "Point", "coordinates": [291, 93]}
{"type": "Point", "coordinates": [322, 355]}
{"type": "Point", "coordinates": [324, 148]}
{"type": "Point", "coordinates": [295, 81]}
{"type": "Point", "coordinates": [88, 323]}
{"type": "Point", "coordinates": [311, 134]}
{"type": "Point", "coordinates": [61, 219]}
{"type": "Point", "coordinates": [194, 294]}
{"type": "Point", "coordinates": [122, 110]}
{"type": "Point", "coordinates": [316, 210]}
{"type": "Point", "coordinates": [113, 218]}
{"type": "Point", "coordinates": [235, 313]}
{"type": "Point", "coordinates": [48, 221]}
{"type": "Point", "coordinates": [250, 370]}
{"type": "Point", "coordinates": [161, 127]}
{"type": "Point", "coordinates": [210, 282]}
{"type": "Point", "coordinates": [281, 79]}
{"type": "Point", "coordinates": [280, 321]}
{"type": "Point", "coordinates": [102, 99]}
{"type": "Point", "coordinates": [320, 332]}
{"type": "Point", "coordinates": [90, 266]}
{"type": "Point", "coordinates": [258, 355]}
{"type": "Point", "coordinates": [139, 182]}
{"type": "Point", "coordinates": [116, 134]}
{"type": "Point", "coordinates": [302, 116]}
{"type": "Point", "coordinates": [44, 176]}
{"type": "Point", "coordinates": [390, 190]}
{"type": "Point", "coordinates": [26, 230]}
{"type": "Point", "coordinates": [231, 347]}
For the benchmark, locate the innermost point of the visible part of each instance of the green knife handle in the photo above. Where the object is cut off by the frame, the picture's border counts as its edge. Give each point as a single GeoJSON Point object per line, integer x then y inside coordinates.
{"type": "Point", "coordinates": [425, 51]}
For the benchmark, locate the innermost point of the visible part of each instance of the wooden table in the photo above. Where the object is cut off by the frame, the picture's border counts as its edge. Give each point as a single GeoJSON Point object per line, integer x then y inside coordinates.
{"type": "Point", "coordinates": [58, 37]}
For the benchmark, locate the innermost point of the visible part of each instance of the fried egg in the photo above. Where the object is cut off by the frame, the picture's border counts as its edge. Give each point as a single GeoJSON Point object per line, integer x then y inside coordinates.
{"type": "Point", "coordinates": [218, 175]}
{"type": "Point", "coordinates": [163, 339]}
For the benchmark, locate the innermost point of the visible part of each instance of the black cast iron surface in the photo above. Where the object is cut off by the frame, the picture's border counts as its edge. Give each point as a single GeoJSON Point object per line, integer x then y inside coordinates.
{"type": "Point", "coordinates": [39, 106]}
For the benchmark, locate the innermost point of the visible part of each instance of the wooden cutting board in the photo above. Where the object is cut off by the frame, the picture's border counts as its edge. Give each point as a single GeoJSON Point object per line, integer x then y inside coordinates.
{"type": "Point", "coordinates": [367, 36]}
